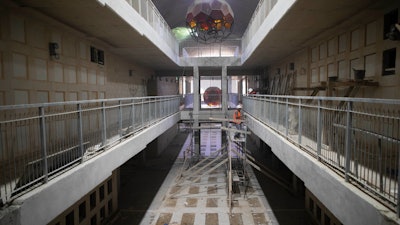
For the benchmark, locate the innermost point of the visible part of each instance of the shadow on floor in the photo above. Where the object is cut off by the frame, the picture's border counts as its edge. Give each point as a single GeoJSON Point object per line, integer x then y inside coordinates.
{"type": "Point", "coordinates": [288, 208]}
{"type": "Point", "coordinates": [140, 182]}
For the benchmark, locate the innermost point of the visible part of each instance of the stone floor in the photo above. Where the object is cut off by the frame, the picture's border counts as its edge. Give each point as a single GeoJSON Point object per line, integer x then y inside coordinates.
{"type": "Point", "coordinates": [206, 202]}
{"type": "Point", "coordinates": [147, 198]}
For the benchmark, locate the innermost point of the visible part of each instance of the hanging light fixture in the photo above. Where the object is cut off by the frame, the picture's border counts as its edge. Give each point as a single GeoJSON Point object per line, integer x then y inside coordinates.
{"type": "Point", "coordinates": [209, 20]}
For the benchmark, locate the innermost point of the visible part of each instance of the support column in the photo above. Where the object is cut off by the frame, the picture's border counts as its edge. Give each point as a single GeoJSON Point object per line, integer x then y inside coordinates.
{"type": "Point", "coordinates": [224, 88]}
{"type": "Point", "coordinates": [224, 101]}
{"type": "Point", "coordinates": [196, 108]}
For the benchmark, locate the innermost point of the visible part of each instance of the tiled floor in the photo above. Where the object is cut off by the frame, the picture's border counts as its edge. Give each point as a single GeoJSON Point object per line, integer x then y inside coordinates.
{"type": "Point", "coordinates": [146, 187]}
{"type": "Point", "coordinates": [206, 202]}
{"type": "Point", "coordinates": [184, 201]}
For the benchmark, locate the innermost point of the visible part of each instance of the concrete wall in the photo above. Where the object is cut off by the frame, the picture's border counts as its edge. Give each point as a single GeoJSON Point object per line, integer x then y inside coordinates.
{"type": "Point", "coordinates": [168, 85]}
{"type": "Point", "coordinates": [46, 202]}
{"type": "Point", "coordinates": [97, 206]}
{"type": "Point", "coordinates": [28, 74]}
{"type": "Point", "coordinates": [356, 43]}
{"type": "Point", "coordinates": [346, 202]}
{"type": "Point", "coordinates": [157, 146]}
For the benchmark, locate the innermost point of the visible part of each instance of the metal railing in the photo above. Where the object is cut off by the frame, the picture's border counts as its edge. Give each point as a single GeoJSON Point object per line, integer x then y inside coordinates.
{"type": "Point", "coordinates": [228, 48]}
{"type": "Point", "coordinates": [262, 10]}
{"type": "Point", "coordinates": [210, 51]}
{"type": "Point", "coordinates": [357, 137]}
{"type": "Point", "coordinates": [40, 140]}
{"type": "Point", "coordinates": [150, 13]}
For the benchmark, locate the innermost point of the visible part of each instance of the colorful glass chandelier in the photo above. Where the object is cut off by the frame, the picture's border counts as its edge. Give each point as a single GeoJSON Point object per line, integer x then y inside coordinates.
{"type": "Point", "coordinates": [209, 20]}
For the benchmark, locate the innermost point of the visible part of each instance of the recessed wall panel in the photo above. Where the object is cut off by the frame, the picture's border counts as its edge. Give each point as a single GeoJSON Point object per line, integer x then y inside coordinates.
{"type": "Point", "coordinates": [17, 28]}
{"type": "Point", "coordinates": [19, 65]}
{"type": "Point", "coordinates": [371, 31]}
{"type": "Point", "coordinates": [370, 65]}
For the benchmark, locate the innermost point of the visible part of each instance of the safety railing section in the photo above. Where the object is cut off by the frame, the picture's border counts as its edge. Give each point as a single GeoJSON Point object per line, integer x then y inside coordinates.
{"type": "Point", "coordinates": [228, 48]}
{"type": "Point", "coordinates": [262, 10]}
{"type": "Point", "coordinates": [357, 137]}
{"type": "Point", "coordinates": [210, 51]}
{"type": "Point", "coordinates": [150, 13]}
{"type": "Point", "coordinates": [40, 140]}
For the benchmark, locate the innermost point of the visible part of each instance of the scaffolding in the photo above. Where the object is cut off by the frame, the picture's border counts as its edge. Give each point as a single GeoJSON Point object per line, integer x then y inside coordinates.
{"type": "Point", "coordinates": [233, 156]}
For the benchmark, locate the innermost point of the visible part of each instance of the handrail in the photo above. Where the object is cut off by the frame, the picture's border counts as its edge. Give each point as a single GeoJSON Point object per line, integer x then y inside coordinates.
{"type": "Point", "coordinates": [262, 10]}
{"type": "Point", "coordinates": [150, 13]}
{"type": "Point", "coordinates": [357, 137]}
{"type": "Point", "coordinates": [39, 140]}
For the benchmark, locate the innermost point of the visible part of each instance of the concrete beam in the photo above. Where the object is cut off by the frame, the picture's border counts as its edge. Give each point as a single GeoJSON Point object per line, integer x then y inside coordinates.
{"type": "Point", "coordinates": [46, 202]}
{"type": "Point", "coordinates": [349, 204]}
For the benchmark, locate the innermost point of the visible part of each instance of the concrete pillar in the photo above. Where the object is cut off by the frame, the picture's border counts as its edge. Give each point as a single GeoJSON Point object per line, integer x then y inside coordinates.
{"type": "Point", "coordinates": [196, 107]}
{"type": "Point", "coordinates": [196, 91]}
{"type": "Point", "coordinates": [224, 88]}
{"type": "Point", "coordinates": [240, 90]}
{"type": "Point", "coordinates": [224, 103]}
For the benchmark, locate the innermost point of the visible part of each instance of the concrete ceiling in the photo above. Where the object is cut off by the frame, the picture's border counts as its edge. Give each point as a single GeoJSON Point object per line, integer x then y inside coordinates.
{"type": "Point", "coordinates": [305, 20]}
{"type": "Point", "coordinates": [174, 12]}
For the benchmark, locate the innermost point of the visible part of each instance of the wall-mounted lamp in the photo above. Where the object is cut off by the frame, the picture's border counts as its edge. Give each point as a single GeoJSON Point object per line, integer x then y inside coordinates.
{"type": "Point", "coordinates": [52, 50]}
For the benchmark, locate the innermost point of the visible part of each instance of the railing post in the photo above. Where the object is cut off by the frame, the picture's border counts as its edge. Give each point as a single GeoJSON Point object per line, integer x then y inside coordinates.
{"type": "Point", "coordinates": [266, 110]}
{"type": "Point", "coordinates": [149, 112]}
{"type": "Point", "coordinates": [348, 139]}
{"type": "Point", "coordinates": [287, 117]}
{"type": "Point", "coordinates": [299, 126]}
{"type": "Point", "coordinates": [157, 108]}
{"type": "Point", "coordinates": [319, 129]}
{"type": "Point", "coordinates": [380, 169]}
{"type": "Point", "coordinates": [120, 118]}
{"type": "Point", "coordinates": [133, 115]}
{"type": "Point", "coordinates": [277, 114]}
{"type": "Point", "coordinates": [163, 111]}
{"type": "Point", "coordinates": [142, 109]}
{"type": "Point", "coordinates": [398, 181]}
{"type": "Point", "coordinates": [3, 188]}
{"type": "Point", "coordinates": [80, 131]}
{"type": "Point", "coordinates": [270, 111]}
{"type": "Point", "coordinates": [104, 127]}
{"type": "Point", "coordinates": [43, 143]}
{"type": "Point", "coordinates": [140, 7]}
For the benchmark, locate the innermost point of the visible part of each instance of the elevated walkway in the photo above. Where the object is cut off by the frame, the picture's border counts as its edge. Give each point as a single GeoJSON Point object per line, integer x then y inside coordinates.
{"type": "Point", "coordinates": [84, 177]}
{"type": "Point", "coordinates": [126, 128]}
{"type": "Point", "coordinates": [347, 202]}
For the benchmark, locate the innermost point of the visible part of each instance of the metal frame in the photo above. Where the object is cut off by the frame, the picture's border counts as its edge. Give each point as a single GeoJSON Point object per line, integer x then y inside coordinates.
{"type": "Point", "coordinates": [357, 137]}
{"type": "Point", "coordinates": [37, 141]}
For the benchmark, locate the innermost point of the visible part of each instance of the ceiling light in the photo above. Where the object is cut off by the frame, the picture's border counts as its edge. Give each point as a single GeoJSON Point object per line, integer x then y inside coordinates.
{"type": "Point", "coordinates": [209, 20]}
{"type": "Point", "coordinates": [181, 33]}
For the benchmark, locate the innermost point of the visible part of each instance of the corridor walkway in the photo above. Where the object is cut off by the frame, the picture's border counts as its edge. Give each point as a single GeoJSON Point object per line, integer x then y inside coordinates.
{"type": "Point", "coordinates": [145, 193]}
